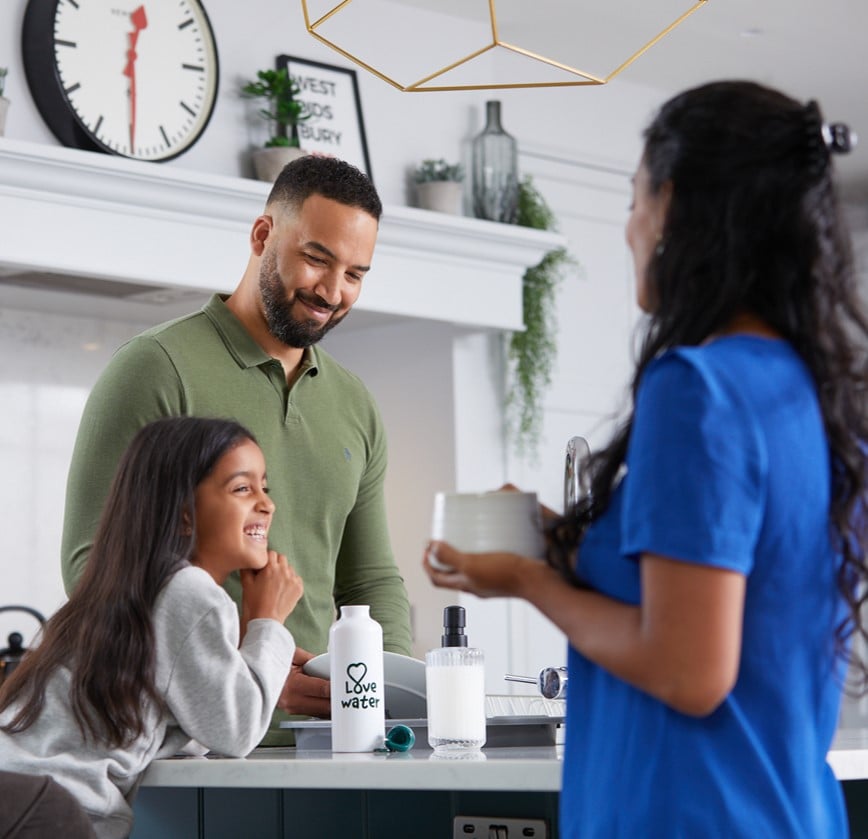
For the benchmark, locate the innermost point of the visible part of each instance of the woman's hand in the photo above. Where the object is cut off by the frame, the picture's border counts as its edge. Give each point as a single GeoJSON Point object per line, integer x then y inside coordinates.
{"type": "Point", "coordinates": [271, 591]}
{"type": "Point", "coordinates": [546, 513]}
{"type": "Point", "coordinates": [482, 574]}
{"type": "Point", "coordinates": [682, 644]}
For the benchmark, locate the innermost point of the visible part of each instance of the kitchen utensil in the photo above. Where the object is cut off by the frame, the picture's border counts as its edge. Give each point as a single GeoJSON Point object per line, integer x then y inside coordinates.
{"type": "Point", "coordinates": [489, 521]}
{"type": "Point", "coordinates": [576, 481]}
{"type": "Point", "coordinates": [404, 679]}
{"type": "Point", "coordinates": [509, 721]}
{"type": "Point", "coordinates": [11, 655]}
{"type": "Point", "coordinates": [551, 681]}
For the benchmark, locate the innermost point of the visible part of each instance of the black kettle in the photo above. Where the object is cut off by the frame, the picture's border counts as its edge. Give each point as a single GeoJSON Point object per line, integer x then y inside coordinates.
{"type": "Point", "coordinates": [10, 656]}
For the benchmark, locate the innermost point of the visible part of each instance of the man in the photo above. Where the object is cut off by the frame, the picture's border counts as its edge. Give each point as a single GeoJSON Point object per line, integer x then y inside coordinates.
{"type": "Point", "coordinates": [253, 357]}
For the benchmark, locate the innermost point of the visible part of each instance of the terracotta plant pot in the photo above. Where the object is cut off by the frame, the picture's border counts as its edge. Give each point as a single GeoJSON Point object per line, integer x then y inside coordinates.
{"type": "Point", "coordinates": [443, 196]}
{"type": "Point", "coordinates": [269, 162]}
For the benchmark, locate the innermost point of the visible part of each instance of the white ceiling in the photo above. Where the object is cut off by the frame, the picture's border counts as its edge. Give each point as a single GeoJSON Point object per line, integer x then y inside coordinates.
{"type": "Point", "coordinates": [807, 48]}
{"type": "Point", "coordinates": [811, 49]}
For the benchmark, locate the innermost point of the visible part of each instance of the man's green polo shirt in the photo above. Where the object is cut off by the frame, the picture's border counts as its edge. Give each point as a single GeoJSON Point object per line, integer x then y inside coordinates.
{"type": "Point", "coordinates": [325, 455]}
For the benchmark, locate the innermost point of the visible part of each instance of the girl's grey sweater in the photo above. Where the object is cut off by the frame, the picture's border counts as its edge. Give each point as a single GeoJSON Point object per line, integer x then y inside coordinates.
{"type": "Point", "coordinates": [218, 695]}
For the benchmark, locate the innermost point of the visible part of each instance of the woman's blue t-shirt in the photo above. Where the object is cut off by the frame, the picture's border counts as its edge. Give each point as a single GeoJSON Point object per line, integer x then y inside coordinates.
{"type": "Point", "coordinates": [727, 466]}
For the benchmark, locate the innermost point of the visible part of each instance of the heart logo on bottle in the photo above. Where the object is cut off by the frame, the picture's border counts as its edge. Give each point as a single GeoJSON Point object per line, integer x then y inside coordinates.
{"type": "Point", "coordinates": [357, 667]}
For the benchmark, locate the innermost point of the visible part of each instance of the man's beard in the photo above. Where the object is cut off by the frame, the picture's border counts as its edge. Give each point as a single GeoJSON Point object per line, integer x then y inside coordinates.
{"type": "Point", "coordinates": [278, 309]}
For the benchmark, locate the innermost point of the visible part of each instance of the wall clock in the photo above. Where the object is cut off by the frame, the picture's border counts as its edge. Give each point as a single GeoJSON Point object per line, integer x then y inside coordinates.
{"type": "Point", "coordinates": [136, 78]}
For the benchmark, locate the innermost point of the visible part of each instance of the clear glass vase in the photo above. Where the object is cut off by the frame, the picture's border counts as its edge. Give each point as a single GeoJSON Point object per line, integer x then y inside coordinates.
{"type": "Point", "coordinates": [495, 170]}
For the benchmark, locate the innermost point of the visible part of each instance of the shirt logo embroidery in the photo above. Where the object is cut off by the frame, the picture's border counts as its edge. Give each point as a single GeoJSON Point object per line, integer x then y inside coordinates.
{"type": "Point", "coordinates": [347, 455]}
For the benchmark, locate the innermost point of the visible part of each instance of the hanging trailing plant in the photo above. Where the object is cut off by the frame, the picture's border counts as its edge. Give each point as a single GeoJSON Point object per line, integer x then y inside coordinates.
{"type": "Point", "coordinates": [531, 354]}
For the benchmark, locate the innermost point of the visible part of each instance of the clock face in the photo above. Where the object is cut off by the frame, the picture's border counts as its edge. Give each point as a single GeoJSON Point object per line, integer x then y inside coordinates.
{"type": "Point", "coordinates": [137, 78]}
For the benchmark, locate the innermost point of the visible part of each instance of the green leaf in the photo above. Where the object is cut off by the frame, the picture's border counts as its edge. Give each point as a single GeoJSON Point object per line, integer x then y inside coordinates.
{"type": "Point", "coordinates": [283, 109]}
{"type": "Point", "coordinates": [531, 354]}
{"type": "Point", "coordinates": [438, 170]}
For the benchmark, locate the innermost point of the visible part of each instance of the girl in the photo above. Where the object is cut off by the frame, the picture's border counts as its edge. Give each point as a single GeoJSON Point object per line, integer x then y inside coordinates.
{"type": "Point", "coordinates": [708, 582]}
{"type": "Point", "coordinates": [145, 656]}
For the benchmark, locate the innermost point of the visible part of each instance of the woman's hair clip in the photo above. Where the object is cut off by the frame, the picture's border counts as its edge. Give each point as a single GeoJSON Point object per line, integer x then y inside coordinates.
{"type": "Point", "coordinates": [838, 137]}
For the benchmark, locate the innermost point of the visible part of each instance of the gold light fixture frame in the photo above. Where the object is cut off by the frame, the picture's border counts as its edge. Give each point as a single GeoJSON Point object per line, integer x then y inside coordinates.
{"type": "Point", "coordinates": [422, 85]}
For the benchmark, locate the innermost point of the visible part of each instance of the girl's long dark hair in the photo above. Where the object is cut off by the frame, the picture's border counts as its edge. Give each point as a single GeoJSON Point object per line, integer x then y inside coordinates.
{"type": "Point", "coordinates": [754, 226]}
{"type": "Point", "coordinates": [104, 633]}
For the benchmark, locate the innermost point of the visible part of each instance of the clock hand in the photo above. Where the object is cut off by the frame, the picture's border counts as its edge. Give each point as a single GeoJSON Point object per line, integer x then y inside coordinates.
{"type": "Point", "coordinates": [139, 21]}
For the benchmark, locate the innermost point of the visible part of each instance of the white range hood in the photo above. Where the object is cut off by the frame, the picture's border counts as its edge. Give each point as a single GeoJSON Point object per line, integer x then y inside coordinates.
{"type": "Point", "coordinates": [105, 225]}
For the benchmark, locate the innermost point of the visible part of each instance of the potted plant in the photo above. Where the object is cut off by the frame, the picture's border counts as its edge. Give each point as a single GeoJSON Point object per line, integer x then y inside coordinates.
{"type": "Point", "coordinates": [283, 112]}
{"type": "Point", "coordinates": [4, 102]}
{"type": "Point", "coordinates": [439, 185]}
{"type": "Point", "coordinates": [531, 354]}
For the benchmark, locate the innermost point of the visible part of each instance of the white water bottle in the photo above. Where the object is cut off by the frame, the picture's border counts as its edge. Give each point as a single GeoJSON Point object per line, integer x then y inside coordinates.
{"type": "Point", "coordinates": [356, 670]}
{"type": "Point", "coordinates": [455, 687]}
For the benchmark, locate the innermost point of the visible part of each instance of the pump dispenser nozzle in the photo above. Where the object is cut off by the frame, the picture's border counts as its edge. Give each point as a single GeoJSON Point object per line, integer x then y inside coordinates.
{"type": "Point", "coordinates": [454, 622]}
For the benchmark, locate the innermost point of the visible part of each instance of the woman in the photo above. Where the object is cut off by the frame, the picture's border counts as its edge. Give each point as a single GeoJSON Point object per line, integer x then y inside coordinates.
{"type": "Point", "coordinates": [145, 656]}
{"type": "Point", "coordinates": [708, 586]}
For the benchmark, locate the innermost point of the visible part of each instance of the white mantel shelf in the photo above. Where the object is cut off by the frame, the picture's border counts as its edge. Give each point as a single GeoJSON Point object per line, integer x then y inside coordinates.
{"type": "Point", "coordinates": [83, 214]}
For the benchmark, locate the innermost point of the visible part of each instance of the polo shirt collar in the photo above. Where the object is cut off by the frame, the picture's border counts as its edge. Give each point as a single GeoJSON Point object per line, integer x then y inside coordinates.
{"type": "Point", "coordinates": [246, 352]}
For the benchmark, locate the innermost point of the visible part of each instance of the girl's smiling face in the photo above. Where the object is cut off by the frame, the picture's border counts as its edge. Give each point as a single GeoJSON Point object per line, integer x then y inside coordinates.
{"type": "Point", "coordinates": [233, 513]}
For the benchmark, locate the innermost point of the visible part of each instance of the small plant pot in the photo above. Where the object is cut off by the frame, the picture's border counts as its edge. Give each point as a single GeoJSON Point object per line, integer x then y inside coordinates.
{"type": "Point", "coordinates": [4, 109]}
{"type": "Point", "coordinates": [442, 196]}
{"type": "Point", "coordinates": [269, 162]}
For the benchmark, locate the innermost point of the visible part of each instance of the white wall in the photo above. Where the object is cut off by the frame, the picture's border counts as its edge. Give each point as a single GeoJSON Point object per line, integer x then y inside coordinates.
{"type": "Point", "coordinates": [48, 363]}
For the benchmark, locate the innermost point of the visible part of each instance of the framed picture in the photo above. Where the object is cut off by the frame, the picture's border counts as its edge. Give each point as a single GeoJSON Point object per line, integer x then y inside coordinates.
{"type": "Point", "coordinates": [331, 95]}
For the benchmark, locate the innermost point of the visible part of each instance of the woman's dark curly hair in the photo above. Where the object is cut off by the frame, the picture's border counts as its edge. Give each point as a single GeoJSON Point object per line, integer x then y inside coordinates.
{"type": "Point", "coordinates": [754, 226]}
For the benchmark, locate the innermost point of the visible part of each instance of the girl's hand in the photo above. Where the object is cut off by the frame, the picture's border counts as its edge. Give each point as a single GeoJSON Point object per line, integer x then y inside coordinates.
{"type": "Point", "coordinates": [270, 592]}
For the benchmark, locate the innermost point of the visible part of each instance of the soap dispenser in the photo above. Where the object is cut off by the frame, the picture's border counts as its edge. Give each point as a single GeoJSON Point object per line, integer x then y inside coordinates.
{"type": "Point", "coordinates": [455, 687]}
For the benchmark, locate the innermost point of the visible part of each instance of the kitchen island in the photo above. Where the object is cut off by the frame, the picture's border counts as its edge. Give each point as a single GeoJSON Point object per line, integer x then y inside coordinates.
{"type": "Point", "coordinates": [288, 792]}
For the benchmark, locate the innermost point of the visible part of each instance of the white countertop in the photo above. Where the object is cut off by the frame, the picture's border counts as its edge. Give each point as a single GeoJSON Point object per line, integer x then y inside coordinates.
{"type": "Point", "coordinates": [849, 755]}
{"type": "Point", "coordinates": [533, 769]}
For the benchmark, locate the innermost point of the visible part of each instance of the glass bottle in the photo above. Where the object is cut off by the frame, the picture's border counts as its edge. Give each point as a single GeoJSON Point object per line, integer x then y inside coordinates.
{"type": "Point", "coordinates": [356, 669]}
{"type": "Point", "coordinates": [455, 688]}
{"type": "Point", "coordinates": [495, 170]}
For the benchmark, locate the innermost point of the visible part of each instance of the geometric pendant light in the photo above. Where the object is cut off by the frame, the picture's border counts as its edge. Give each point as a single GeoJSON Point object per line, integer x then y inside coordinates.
{"type": "Point", "coordinates": [419, 47]}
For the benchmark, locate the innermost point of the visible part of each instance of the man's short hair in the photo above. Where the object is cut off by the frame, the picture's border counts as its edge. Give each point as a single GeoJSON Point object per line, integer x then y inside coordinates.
{"type": "Point", "coordinates": [329, 177]}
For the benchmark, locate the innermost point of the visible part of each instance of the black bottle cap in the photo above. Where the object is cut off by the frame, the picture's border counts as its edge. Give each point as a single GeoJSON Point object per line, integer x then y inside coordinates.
{"type": "Point", "coordinates": [453, 627]}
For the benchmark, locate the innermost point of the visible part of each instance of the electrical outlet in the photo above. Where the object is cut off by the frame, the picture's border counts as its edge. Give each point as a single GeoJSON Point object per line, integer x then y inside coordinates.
{"type": "Point", "coordinates": [489, 827]}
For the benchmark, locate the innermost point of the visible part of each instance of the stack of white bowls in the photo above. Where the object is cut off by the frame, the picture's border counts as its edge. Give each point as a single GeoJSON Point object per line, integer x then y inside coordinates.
{"type": "Point", "coordinates": [489, 521]}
